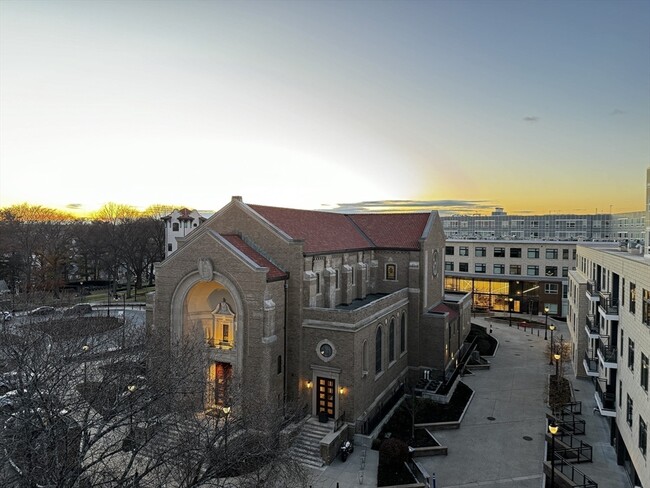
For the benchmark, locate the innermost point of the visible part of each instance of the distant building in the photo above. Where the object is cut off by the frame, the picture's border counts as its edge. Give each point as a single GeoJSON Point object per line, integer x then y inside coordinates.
{"type": "Point", "coordinates": [609, 321]}
{"type": "Point", "coordinates": [566, 227]}
{"type": "Point", "coordinates": [178, 224]}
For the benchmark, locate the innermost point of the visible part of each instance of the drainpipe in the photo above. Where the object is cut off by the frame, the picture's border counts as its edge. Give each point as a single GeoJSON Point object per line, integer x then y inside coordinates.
{"type": "Point", "coordinates": [284, 354]}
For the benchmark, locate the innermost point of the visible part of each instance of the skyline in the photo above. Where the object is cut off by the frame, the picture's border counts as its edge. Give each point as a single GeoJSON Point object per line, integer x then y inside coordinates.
{"type": "Point", "coordinates": [536, 107]}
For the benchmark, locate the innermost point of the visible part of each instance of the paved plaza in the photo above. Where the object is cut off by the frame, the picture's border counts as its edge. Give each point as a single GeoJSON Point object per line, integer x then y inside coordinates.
{"type": "Point", "coordinates": [501, 440]}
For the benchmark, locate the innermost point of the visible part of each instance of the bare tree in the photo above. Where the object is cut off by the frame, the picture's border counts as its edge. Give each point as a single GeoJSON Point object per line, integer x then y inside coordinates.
{"type": "Point", "coordinates": [79, 412]}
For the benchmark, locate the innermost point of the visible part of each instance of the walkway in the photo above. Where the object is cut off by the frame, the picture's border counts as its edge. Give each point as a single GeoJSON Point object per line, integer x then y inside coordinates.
{"type": "Point", "coordinates": [501, 441]}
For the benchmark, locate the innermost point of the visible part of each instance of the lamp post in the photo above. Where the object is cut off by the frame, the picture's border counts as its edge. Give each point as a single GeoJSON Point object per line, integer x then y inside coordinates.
{"type": "Point", "coordinates": [85, 348]}
{"type": "Point", "coordinates": [557, 357]}
{"type": "Point", "coordinates": [510, 303]}
{"type": "Point", "coordinates": [551, 328]}
{"type": "Point", "coordinates": [553, 428]}
{"type": "Point", "coordinates": [123, 319]}
{"type": "Point", "coordinates": [545, 322]}
{"type": "Point", "coordinates": [226, 411]}
{"type": "Point", "coordinates": [131, 389]}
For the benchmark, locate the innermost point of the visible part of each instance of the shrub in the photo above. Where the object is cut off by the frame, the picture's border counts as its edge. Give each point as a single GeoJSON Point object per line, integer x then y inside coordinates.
{"type": "Point", "coordinates": [393, 452]}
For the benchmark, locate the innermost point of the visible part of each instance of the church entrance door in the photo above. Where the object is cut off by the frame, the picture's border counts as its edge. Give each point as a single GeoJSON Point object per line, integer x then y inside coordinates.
{"type": "Point", "coordinates": [326, 396]}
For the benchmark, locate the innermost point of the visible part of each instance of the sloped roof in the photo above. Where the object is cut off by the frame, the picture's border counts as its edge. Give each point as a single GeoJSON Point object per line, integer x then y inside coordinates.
{"type": "Point", "coordinates": [394, 231]}
{"type": "Point", "coordinates": [442, 308]}
{"type": "Point", "coordinates": [334, 232]}
{"type": "Point", "coordinates": [320, 231]}
{"type": "Point", "coordinates": [274, 273]}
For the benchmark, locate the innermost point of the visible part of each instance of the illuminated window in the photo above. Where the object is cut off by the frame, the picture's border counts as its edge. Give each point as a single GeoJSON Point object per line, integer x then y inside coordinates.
{"type": "Point", "coordinates": [390, 272]}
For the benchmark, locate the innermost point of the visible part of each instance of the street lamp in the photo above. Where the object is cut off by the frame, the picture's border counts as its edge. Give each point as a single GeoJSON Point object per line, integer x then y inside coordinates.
{"type": "Point", "coordinates": [510, 300]}
{"type": "Point", "coordinates": [226, 411]}
{"type": "Point", "coordinates": [551, 328]}
{"type": "Point", "coordinates": [131, 389]}
{"type": "Point", "coordinates": [553, 428]}
{"type": "Point", "coordinates": [85, 348]}
{"type": "Point", "coordinates": [123, 319]}
{"type": "Point", "coordinates": [557, 357]}
{"type": "Point", "coordinates": [546, 321]}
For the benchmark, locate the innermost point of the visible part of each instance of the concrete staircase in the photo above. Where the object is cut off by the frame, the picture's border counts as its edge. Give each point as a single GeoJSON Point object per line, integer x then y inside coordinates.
{"type": "Point", "coordinates": [306, 445]}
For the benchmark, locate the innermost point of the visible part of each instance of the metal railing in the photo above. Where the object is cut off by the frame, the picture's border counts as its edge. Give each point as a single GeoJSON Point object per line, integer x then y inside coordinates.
{"type": "Point", "coordinates": [338, 423]}
{"type": "Point", "coordinates": [608, 303]}
{"type": "Point", "coordinates": [592, 288]}
{"type": "Point", "coordinates": [577, 477]}
{"type": "Point", "coordinates": [608, 352]}
{"type": "Point", "coordinates": [607, 398]}
{"type": "Point", "coordinates": [571, 425]}
{"type": "Point", "coordinates": [592, 325]}
{"type": "Point", "coordinates": [591, 362]}
{"type": "Point", "coordinates": [572, 448]}
{"type": "Point", "coordinates": [572, 408]}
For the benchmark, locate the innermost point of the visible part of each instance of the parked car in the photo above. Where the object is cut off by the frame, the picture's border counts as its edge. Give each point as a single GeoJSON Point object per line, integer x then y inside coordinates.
{"type": "Point", "coordinates": [79, 309]}
{"type": "Point", "coordinates": [44, 310]}
{"type": "Point", "coordinates": [6, 316]}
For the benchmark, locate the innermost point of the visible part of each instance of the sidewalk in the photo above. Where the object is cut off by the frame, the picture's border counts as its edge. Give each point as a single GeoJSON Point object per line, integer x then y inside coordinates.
{"type": "Point", "coordinates": [500, 443]}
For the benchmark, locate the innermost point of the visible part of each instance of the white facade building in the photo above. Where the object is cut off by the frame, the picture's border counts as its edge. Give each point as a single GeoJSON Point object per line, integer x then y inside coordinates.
{"type": "Point", "coordinates": [179, 223]}
{"type": "Point", "coordinates": [609, 320]}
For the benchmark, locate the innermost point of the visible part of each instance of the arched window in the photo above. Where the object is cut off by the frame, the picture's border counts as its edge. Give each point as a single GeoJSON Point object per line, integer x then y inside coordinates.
{"type": "Point", "coordinates": [364, 358]}
{"type": "Point", "coordinates": [402, 334]}
{"type": "Point", "coordinates": [378, 350]}
{"type": "Point", "coordinates": [391, 341]}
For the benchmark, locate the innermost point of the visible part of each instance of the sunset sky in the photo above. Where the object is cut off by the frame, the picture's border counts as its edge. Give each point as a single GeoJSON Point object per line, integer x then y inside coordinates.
{"type": "Point", "coordinates": [535, 106]}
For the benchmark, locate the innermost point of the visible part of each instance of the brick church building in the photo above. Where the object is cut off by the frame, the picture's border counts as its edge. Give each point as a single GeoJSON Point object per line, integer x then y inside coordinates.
{"type": "Point", "coordinates": [330, 311]}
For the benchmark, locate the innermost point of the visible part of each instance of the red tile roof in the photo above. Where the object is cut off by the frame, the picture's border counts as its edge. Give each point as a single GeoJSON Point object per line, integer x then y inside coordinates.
{"type": "Point", "coordinates": [320, 231]}
{"type": "Point", "coordinates": [274, 273]}
{"type": "Point", "coordinates": [393, 231]}
{"type": "Point", "coordinates": [334, 232]}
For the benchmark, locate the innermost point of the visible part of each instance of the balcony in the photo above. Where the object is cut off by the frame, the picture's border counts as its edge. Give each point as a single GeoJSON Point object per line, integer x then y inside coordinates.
{"type": "Point", "coordinates": [608, 306]}
{"type": "Point", "coordinates": [591, 364]}
{"type": "Point", "coordinates": [606, 353]}
{"type": "Point", "coordinates": [592, 291]}
{"type": "Point", "coordinates": [606, 402]}
{"type": "Point", "coordinates": [591, 327]}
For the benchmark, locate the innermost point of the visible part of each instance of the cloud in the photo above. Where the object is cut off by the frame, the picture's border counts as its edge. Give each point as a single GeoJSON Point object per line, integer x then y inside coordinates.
{"type": "Point", "coordinates": [444, 207]}
{"type": "Point", "coordinates": [531, 118]}
{"type": "Point", "coordinates": [74, 206]}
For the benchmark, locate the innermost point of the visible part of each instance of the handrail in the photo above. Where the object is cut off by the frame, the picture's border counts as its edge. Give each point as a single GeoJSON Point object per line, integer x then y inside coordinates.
{"type": "Point", "coordinates": [580, 479]}
{"type": "Point", "coordinates": [338, 423]}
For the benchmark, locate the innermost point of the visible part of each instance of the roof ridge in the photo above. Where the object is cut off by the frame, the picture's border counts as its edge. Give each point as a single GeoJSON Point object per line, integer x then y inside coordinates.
{"type": "Point", "coordinates": [363, 234]}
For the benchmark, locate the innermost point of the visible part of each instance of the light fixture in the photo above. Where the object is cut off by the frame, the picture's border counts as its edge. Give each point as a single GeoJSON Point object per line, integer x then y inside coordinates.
{"type": "Point", "coordinates": [85, 347]}
{"type": "Point", "coordinates": [309, 384]}
{"type": "Point", "coordinates": [557, 356]}
{"type": "Point", "coordinates": [225, 410]}
{"type": "Point", "coordinates": [132, 388]}
{"type": "Point", "coordinates": [341, 390]}
{"type": "Point", "coordinates": [546, 309]}
{"type": "Point", "coordinates": [551, 327]}
{"type": "Point", "coordinates": [553, 428]}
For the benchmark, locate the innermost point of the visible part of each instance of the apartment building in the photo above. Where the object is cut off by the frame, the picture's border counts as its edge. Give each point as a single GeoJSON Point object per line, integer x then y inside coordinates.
{"type": "Point", "coordinates": [566, 227]}
{"type": "Point", "coordinates": [533, 273]}
{"type": "Point", "coordinates": [609, 321]}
